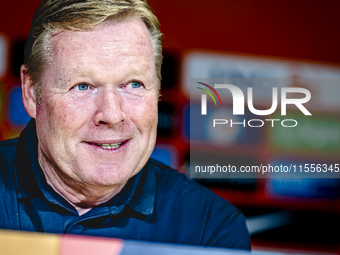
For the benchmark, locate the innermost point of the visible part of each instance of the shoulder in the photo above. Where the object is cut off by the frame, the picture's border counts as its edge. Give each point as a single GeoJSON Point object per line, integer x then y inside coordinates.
{"type": "Point", "coordinates": [7, 154]}
{"type": "Point", "coordinates": [8, 144]}
{"type": "Point", "coordinates": [168, 179]}
{"type": "Point", "coordinates": [221, 224]}
{"type": "Point", "coordinates": [8, 198]}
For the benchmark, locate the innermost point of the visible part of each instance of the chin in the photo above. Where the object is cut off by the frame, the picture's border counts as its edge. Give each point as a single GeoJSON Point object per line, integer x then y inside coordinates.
{"type": "Point", "coordinates": [110, 175]}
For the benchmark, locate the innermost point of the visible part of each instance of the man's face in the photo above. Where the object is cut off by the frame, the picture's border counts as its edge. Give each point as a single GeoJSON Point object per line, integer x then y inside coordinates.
{"type": "Point", "coordinates": [97, 120]}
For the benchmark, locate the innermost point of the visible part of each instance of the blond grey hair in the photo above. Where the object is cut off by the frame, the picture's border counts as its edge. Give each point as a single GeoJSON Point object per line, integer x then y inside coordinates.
{"type": "Point", "coordinates": [78, 15]}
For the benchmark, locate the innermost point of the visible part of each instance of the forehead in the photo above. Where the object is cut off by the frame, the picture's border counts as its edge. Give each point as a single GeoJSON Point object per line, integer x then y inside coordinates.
{"type": "Point", "coordinates": [106, 45]}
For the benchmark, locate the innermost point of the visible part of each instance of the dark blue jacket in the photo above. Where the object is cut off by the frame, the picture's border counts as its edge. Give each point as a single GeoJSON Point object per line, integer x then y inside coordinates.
{"type": "Point", "coordinates": [158, 204]}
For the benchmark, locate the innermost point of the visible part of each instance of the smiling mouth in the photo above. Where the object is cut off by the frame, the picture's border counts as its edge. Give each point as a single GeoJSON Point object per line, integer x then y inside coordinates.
{"type": "Point", "coordinates": [108, 146]}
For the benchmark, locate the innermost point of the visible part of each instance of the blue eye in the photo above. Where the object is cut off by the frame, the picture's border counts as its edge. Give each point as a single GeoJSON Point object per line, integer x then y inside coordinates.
{"type": "Point", "coordinates": [83, 86]}
{"type": "Point", "coordinates": [135, 84]}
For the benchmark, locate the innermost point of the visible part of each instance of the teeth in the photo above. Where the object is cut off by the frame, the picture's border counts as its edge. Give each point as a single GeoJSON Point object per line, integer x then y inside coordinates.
{"type": "Point", "coordinates": [109, 145]}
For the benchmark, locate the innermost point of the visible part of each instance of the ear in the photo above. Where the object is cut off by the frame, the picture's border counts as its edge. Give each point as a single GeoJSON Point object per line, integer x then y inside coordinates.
{"type": "Point", "coordinates": [27, 87]}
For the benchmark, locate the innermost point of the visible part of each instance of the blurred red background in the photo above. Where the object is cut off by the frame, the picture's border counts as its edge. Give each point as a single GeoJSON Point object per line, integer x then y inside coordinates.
{"type": "Point", "coordinates": [304, 30]}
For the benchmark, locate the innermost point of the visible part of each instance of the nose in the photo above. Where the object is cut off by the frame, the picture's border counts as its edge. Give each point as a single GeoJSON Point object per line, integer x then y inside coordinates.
{"type": "Point", "coordinates": [109, 111]}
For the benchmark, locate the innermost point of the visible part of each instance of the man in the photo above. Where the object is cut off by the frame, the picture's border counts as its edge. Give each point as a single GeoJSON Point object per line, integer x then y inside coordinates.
{"type": "Point", "coordinates": [91, 82]}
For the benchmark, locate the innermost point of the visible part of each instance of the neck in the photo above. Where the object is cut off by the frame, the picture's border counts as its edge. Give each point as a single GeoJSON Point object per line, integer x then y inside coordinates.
{"type": "Point", "coordinates": [83, 197]}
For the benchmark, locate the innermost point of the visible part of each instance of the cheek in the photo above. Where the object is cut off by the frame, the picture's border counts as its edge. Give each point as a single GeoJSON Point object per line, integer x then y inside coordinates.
{"type": "Point", "coordinates": [61, 115]}
{"type": "Point", "coordinates": [66, 113]}
{"type": "Point", "coordinates": [143, 112]}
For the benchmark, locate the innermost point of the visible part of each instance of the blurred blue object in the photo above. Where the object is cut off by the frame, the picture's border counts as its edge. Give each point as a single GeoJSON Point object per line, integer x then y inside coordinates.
{"type": "Point", "coordinates": [166, 154]}
{"type": "Point", "coordinates": [303, 187]}
{"type": "Point", "coordinates": [148, 248]}
{"type": "Point", "coordinates": [17, 113]}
